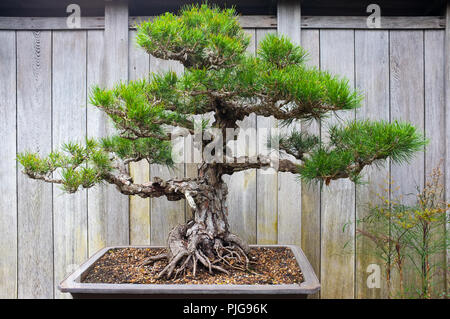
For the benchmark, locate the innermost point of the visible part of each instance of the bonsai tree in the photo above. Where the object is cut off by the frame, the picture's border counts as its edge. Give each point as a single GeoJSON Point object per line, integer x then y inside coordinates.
{"type": "Point", "coordinates": [222, 79]}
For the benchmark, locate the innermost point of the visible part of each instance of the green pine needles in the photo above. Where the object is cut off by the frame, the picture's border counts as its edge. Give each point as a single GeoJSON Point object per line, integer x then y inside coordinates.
{"type": "Point", "coordinates": [361, 143]}
{"type": "Point", "coordinates": [220, 77]}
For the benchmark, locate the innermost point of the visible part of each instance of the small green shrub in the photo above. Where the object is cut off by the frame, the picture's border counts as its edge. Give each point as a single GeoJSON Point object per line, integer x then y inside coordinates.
{"type": "Point", "coordinates": [415, 233]}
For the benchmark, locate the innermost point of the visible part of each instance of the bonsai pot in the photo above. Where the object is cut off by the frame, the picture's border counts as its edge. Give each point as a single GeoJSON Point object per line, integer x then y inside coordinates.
{"type": "Point", "coordinates": [73, 284]}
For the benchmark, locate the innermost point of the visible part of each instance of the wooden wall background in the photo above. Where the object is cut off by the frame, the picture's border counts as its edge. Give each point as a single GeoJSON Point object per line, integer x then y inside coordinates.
{"type": "Point", "coordinates": [45, 77]}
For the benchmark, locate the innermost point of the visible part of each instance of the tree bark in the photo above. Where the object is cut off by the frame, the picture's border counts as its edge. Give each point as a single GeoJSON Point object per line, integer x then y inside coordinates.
{"type": "Point", "coordinates": [205, 239]}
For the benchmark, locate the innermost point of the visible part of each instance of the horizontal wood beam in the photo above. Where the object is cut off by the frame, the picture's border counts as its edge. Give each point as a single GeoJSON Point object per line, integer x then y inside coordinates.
{"type": "Point", "coordinates": [48, 23]}
{"type": "Point", "coordinates": [256, 21]}
{"type": "Point", "coordinates": [360, 22]}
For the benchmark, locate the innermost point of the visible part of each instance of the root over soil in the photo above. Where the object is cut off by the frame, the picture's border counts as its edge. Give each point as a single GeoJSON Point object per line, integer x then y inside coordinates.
{"type": "Point", "coordinates": [275, 265]}
{"type": "Point", "coordinates": [190, 246]}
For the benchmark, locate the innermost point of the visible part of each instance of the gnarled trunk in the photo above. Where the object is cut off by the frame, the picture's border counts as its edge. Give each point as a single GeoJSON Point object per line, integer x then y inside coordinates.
{"type": "Point", "coordinates": [206, 238]}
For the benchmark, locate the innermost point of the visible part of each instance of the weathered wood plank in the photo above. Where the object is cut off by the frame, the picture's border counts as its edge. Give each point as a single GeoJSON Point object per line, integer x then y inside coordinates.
{"type": "Point", "coordinates": [253, 21]}
{"type": "Point", "coordinates": [289, 187]}
{"type": "Point", "coordinates": [267, 180]}
{"type": "Point", "coordinates": [96, 120]}
{"type": "Point", "coordinates": [241, 200]}
{"type": "Point", "coordinates": [115, 69]}
{"type": "Point", "coordinates": [69, 124]}
{"type": "Point", "coordinates": [35, 229]}
{"type": "Point", "coordinates": [190, 168]}
{"type": "Point", "coordinates": [435, 120]}
{"type": "Point", "coordinates": [8, 173]}
{"type": "Point", "coordinates": [407, 104]}
{"type": "Point", "coordinates": [310, 235]}
{"type": "Point", "coordinates": [372, 79]}
{"type": "Point", "coordinates": [360, 22]}
{"type": "Point", "coordinates": [165, 214]}
{"type": "Point", "coordinates": [48, 23]}
{"type": "Point", "coordinates": [338, 199]}
{"type": "Point", "coordinates": [106, 206]}
{"type": "Point", "coordinates": [258, 21]}
{"type": "Point", "coordinates": [252, 45]}
{"type": "Point", "coordinates": [447, 119]}
{"type": "Point", "coordinates": [289, 19]}
{"type": "Point", "coordinates": [138, 68]}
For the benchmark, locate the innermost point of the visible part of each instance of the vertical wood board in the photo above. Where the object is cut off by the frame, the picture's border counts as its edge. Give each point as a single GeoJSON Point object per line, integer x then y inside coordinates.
{"type": "Point", "coordinates": [139, 62]}
{"type": "Point", "coordinates": [338, 199]}
{"type": "Point", "coordinates": [96, 119]}
{"type": "Point", "coordinates": [289, 186]}
{"type": "Point", "coordinates": [34, 133]}
{"type": "Point", "coordinates": [105, 203]}
{"type": "Point", "coordinates": [267, 179]}
{"type": "Point", "coordinates": [69, 124]}
{"type": "Point", "coordinates": [165, 214]}
{"type": "Point", "coordinates": [372, 79]}
{"type": "Point", "coordinates": [241, 200]}
{"type": "Point", "coordinates": [407, 104]}
{"type": "Point", "coordinates": [310, 199]}
{"type": "Point", "coordinates": [8, 177]}
{"type": "Point", "coordinates": [435, 125]}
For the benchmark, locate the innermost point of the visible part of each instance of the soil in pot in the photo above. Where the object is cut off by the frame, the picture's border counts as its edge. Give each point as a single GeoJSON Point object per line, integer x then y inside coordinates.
{"type": "Point", "coordinates": [273, 266]}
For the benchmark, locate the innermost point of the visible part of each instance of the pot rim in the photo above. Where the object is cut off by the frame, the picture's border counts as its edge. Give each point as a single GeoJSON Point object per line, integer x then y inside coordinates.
{"type": "Point", "coordinates": [73, 284]}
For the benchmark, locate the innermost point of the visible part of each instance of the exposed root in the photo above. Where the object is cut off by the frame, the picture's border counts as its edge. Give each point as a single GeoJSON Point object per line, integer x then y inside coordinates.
{"type": "Point", "coordinates": [214, 254]}
{"type": "Point", "coordinates": [172, 264]}
{"type": "Point", "coordinates": [152, 259]}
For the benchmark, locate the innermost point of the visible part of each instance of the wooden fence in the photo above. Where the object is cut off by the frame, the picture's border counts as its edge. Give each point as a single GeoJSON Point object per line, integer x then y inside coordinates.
{"type": "Point", "coordinates": [45, 77]}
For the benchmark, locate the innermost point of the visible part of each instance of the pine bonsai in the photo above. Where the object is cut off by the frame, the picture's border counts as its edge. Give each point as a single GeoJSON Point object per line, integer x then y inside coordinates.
{"type": "Point", "coordinates": [219, 77]}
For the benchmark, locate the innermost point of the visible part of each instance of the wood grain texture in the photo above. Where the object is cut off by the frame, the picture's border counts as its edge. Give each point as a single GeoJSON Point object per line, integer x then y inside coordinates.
{"type": "Point", "coordinates": [447, 120]}
{"type": "Point", "coordinates": [69, 124]}
{"type": "Point", "coordinates": [407, 104]}
{"type": "Point", "coordinates": [372, 79]}
{"type": "Point", "coordinates": [252, 21]}
{"type": "Point", "coordinates": [138, 68]}
{"type": "Point", "coordinates": [360, 22]}
{"type": "Point", "coordinates": [435, 121]}
{"type": "Point", "coordinates": [258, 21]}
{"type": "Point", "coordinates": [407, 100]}
{"type": "Point", "coordinates": [107, 207]}
{"type": "Point", "coordinates": [267, 179]}
{"type": "Point", "coordinates": [165, 214]}
{"type": "Point", "coordinates": [338, 199]}
{"type": "Point", "coordinates": [34, 133]}
{"type": "Point", "coordinates": [310, 193]}
{"type": "Point", "coordinates": [289, 187]}
{"type": "Point", "coordinates": [115, 69]}
{"type": "Point", "coordinates": [190, 167]}
{"type": "Point", "coordinates": [289, 19]}
{"type": "Point", "coordinates": [48, 23]}
{"type": "Point", "coordinates": [8, 173]}
{"type": "Point", "coordinates": [241, 201]}
{"type": "Point", "coordinates": [97, 227]}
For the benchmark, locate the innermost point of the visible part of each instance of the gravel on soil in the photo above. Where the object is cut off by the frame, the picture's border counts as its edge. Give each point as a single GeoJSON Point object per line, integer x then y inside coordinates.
{"type": "Point", "coordinates": [270, 265]}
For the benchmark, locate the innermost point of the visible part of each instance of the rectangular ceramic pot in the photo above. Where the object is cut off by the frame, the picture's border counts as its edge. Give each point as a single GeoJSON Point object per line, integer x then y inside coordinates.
{"type": "Point", "coordinates": [77, 289]}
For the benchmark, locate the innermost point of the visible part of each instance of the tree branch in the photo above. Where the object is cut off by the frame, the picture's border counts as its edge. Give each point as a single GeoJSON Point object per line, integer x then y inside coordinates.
{"type": "Point", "coordinates": [139, 129]}
{"type": "Point", "coordinates": [261, 161]}
{"type": "Point", "coordinates": [172, 189]}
